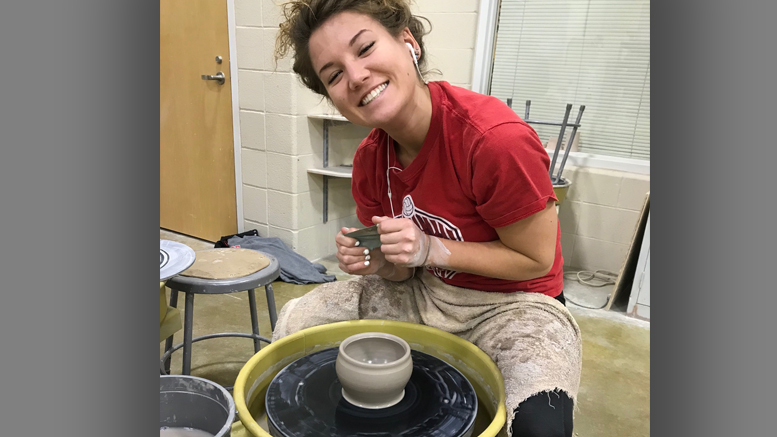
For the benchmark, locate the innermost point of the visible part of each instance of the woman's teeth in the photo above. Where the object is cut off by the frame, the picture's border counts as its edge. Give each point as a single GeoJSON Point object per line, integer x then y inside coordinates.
{"type": "Point", "coordinates": [375, 93]}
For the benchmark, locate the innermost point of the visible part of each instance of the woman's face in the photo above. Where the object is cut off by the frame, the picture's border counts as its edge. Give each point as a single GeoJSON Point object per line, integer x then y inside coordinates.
{"type": "Point", "coordinates": [369, 74]}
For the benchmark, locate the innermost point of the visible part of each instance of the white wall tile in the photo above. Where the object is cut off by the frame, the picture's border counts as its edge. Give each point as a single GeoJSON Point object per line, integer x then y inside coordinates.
{"type": "Point", "coordinates": [591, 254]}
{"type": "Point", "coordinates": [279, 92]}
{"type": "Point", "coordinates": [634, 188]}
{"type": "Point", "coordinates": [254, 204]}
{"type": "Point", "coordinates": [312, 242]}
{"type": "Point", "coordinates": [451, 31]}
{"type": "Point", "coordinates": [307, 102]}
{"type": "Point", "coordinates": [252, 130]}
{"type": "Point", "coordinates": [248, 13]}
{"type": "Point", "coordinates": [568, 216]}
{"type": "Point", "coordinates": [254, 167]}
{"type": "Point", "coordinates": [455, 64]}
{"type": "Point", "coordinates": [303, 178]}
{"type": "Point", "coordinates": [294, 211]}
{"type": "Point", "coordinates": [446, 6]}
{"type": "Point", "coordinates": [268, 50]}
{"type": "Point", "coordinates": [281, 209]}
{"type": "Point", "coordinates": [467, 85]}
{"type": "Point", "coordinates": [298, 135]}
{"type": "Point", "coordinates": [282, 172]}
{"type": "Point", "coordinates": [604, 223]}
{"type": "Point", "coordinates": [589, 218]}
{"type": "Point", "coordinates": [251, 90]}
{"type": "Point", "coordinates": [310, 209]}
{"type": "Point", "coordinates": [249, 48]}
{"type": "Point", "coordinates": [341, 203]}
{"type": "Point", "coordinates": [344, 140]}
{"type": "Point", "coordinates": [567, 247]}
{"type": "Point", "coordinates": [597, 186]}
{"type": "Point", "coordinates": [310, 136]}
{"type": "Point", "coordinates": [280, 134]}
{"type": "Point", "coordinates": [286, 235]}
{"type": "Point", "coordinates": [271, 13]}
{"type": "Point", "coordinates": [264, 230]}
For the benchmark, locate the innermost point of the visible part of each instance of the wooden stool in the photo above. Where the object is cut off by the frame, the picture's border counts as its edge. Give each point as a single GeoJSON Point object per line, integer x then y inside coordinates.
{"type": "Point", "coordinates": [213, 284]}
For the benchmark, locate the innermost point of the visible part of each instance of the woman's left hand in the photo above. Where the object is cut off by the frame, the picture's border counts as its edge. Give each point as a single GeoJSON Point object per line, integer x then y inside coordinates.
{"type": "Point", "coordinates": [402, 242]}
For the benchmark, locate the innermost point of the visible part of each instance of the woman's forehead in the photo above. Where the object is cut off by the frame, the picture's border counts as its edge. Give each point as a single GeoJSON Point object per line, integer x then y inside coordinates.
{"type": "Point", "coordinates": [343, 28]}
{"type": "Point", "coordinates": [340, 32]}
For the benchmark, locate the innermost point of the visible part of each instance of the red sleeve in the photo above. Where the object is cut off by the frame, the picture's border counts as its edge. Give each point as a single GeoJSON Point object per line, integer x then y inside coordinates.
{"type": "Point", "coordinates": [510, 174]}
{"type": "Point", "coordinates": [363, 185]}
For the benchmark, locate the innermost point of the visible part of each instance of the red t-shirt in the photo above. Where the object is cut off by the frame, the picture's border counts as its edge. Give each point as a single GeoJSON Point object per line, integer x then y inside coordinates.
{"type": "Point", "coordinates": [480, 167]}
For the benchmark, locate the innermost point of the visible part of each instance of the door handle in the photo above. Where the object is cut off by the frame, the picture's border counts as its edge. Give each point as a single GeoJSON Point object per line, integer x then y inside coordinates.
{"type": "Point", "coordinates": [218, 77]}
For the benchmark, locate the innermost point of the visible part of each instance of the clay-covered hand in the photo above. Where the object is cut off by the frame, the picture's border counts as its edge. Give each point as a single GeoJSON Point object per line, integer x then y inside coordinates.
{"type": "Point", "coordinates": [357, 260]}
{"type": "Point", "coordinates": [404, 244]}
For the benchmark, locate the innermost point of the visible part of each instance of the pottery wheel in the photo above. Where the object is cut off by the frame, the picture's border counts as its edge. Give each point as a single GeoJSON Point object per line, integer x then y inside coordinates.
{"type": "Point", "coordinates": [305, 400]}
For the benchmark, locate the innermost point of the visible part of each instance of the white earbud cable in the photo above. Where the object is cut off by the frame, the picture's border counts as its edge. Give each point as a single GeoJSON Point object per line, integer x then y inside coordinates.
{"type": "Point", "coordinates": [388, 168]}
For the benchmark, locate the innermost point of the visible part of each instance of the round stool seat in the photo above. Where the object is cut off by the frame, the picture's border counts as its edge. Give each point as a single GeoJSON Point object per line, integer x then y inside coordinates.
{"type": "Point", "coordinates": [190, 284]}
{"type": "Point", "coordinates": [226, 263]}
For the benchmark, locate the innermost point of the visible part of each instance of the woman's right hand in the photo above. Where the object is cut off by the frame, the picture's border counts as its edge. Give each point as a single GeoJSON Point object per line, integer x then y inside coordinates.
{"type": "Point", "coordinates": [353, 259]}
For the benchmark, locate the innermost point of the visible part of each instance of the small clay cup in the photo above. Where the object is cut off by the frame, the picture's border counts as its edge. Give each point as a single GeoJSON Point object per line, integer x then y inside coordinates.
{"type": "Point", "coordinates": [374, 368]}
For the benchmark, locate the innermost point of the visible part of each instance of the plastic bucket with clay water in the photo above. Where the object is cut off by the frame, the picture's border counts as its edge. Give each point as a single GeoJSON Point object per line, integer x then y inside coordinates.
{"type": "Point", "coordinates": [189, 402]}
{"type": "Point", "coordinates": [254, 378]}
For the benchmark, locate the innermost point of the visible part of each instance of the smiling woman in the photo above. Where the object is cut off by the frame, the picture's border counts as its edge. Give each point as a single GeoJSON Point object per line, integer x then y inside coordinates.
{"type": "Point", "coordinates": [458, 187]}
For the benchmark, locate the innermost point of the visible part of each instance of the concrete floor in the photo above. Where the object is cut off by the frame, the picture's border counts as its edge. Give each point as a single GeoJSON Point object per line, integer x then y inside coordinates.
{"type": "Point", "coordinates": [614, 396]}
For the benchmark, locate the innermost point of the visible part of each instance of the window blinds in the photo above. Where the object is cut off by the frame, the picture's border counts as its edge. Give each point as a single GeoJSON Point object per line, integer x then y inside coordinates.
{"type": "Point", "coordinates": [584, 52]}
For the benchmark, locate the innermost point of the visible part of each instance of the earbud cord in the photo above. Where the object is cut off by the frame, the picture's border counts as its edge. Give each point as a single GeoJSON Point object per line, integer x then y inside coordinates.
{"type": "Point", "coordinates": [388, 168]}
{"type": "Point", "coordinates": [415, 61]}
{"type": "Point", "coordinates": [388, 138]}
{"type": "Point", "coordinates": [388, 183]}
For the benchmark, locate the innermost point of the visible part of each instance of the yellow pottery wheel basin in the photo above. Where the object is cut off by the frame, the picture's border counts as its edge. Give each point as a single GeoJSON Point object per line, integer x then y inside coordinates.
{"type": "Point", "coordinates": [254, 378]}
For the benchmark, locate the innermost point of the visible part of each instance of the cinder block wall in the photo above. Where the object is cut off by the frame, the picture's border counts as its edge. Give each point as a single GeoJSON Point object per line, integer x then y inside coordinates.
{"type": "Point", "coordinates": [279, 142]}
{"type": "Point", "coordinates": [599, 217]}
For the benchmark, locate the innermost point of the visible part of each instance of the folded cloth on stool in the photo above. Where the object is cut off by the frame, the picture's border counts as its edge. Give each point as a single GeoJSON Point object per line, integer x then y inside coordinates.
{"type": "Point", "coordinates": [295, 268]}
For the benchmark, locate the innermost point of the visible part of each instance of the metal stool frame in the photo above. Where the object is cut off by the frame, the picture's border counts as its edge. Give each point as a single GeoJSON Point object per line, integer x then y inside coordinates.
{"type": "Point", "coordinates": [191, 286]}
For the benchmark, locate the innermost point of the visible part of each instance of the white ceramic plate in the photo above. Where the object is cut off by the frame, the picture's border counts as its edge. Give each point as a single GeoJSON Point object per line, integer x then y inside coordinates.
{"type": "Point", "coordinates": [173, 258]}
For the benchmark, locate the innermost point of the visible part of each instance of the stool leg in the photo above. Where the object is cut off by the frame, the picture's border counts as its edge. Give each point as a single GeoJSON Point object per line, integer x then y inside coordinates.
{"type": "Point", "coordinates": [187, 334]}
{"type": "Point", "coordinates": [254, 318]}
{"type": "Point", "coordinates": [271, 305]}
{"type": "Point", "coordinates": [169, 340]}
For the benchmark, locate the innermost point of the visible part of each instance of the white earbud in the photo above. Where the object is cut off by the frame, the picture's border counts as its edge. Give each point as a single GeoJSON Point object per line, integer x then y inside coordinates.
{"type": "Point", "coordinates": [412, 52]}
{"type": "Point", "coordinates": [415, 61]}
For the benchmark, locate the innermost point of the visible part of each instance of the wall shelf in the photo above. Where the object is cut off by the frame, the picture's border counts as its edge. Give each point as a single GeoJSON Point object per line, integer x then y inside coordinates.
{"type": "Point", "coordinates": [333, 172]}
{"type": "Point", "coordinates": [330, 117]}
{"type": "Point", "coordinates": [326, 171]}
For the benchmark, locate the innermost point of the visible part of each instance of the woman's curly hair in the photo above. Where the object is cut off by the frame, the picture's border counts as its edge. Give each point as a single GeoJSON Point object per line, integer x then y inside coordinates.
{"type": "Point", "coordinates": [303, 17]}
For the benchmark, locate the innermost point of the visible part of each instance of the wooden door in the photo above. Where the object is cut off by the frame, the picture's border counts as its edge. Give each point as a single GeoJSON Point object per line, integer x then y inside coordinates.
{"type": "Point", "coordinates": [197, 163]}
